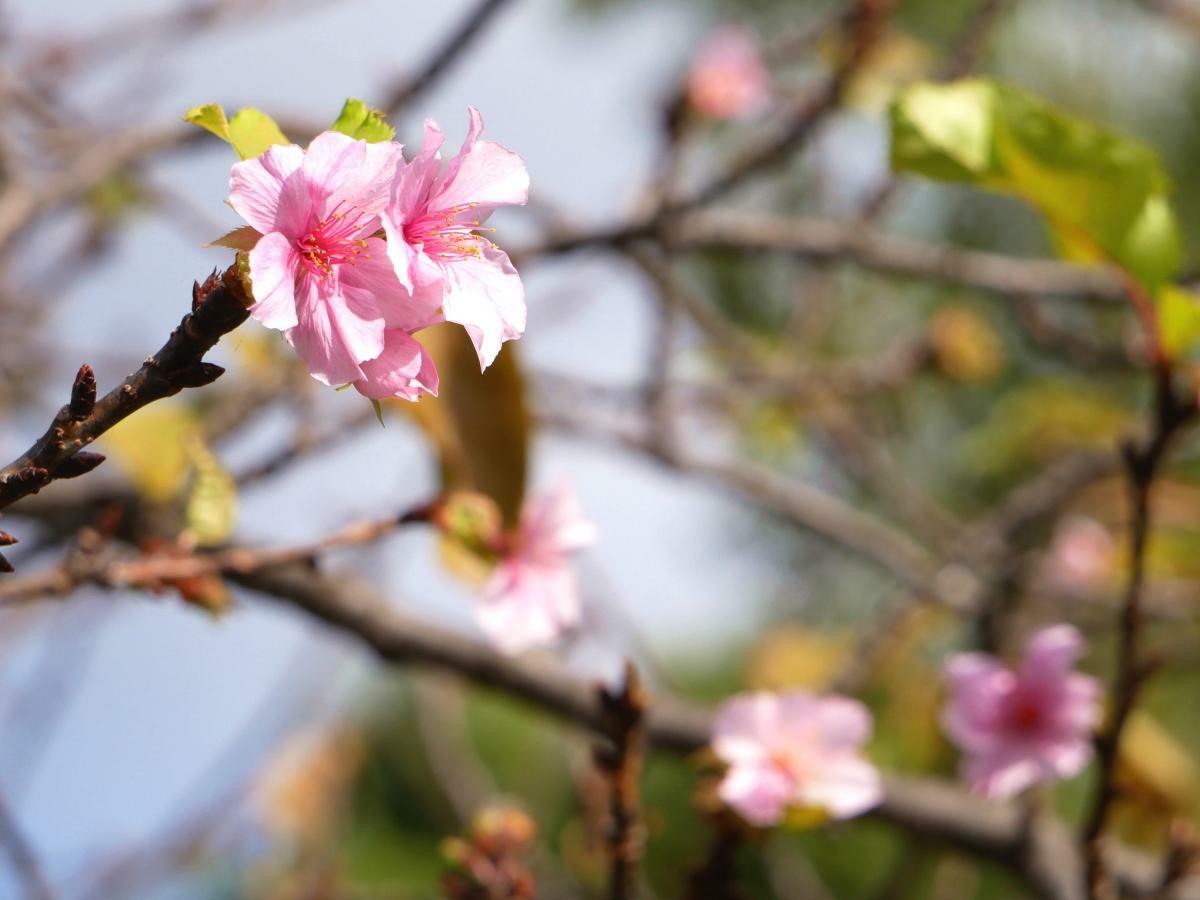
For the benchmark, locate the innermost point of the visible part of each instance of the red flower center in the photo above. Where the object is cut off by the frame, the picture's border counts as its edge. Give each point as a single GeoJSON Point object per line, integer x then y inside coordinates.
{"type": "Point", "coordinates": [445, 236]}
{"type": "Point", "coordinates": [1025, 714]}
{"type": "Point", "coordinates": [334, 241]}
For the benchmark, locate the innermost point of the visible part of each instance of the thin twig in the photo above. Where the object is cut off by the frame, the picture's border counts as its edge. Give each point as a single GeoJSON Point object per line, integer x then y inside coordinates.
{"type": "Point", "coordinates": [447, 54]}
{"type": "Point", "coordinates": [1143, 461]}
{"type": "Point", "coordinates": [620, 760]}
{"type": "Point", "coordinates": [220, 305]}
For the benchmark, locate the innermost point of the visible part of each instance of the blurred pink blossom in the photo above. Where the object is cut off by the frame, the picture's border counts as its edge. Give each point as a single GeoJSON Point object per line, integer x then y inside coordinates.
{"type": "Point", "coordinates": [433, 223]}
{"type": "Point", "coordinates": [728, 79]}
{"type": "Point", "coordinates": [1082, 554]}
{"type": "Point", "coordinates": [320, 272]}
{"type": "Point", "coordinates": [532, 598]}
{"type": "Point", "coordinates": [795, 750]}
{"type": "Point", "coordinates": [1018, 728]}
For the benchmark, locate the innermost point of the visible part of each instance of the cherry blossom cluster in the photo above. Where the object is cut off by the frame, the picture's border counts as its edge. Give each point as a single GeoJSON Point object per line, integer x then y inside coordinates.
{"type": "Point", "coordinates": [1016, 728]}
{"type": "Point", "coordinates": [359, 248]}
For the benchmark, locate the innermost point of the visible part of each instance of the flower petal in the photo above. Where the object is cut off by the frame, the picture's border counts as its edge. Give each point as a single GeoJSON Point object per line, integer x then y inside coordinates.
{"type": "Point", "coordinates": [415, 181]}
{"type": "Point", "coordinates": [525, 606]}
{"type": "Point", "coordinates": [483, 174]}
{"type": "Point", "coordinates": [759, 793]}
{"type": "Point", "coordinates": [747, 728]}
{"type": "Point", "coordinates": [845, 786]}
{"type": "Point", "coordinates": [403, 370]}
{"type": "Point", "coordinates": [371, 284]}
{"type": "Point", "coordinates": [255, 184]}
{"type": "Point", "coordinates": [553, 524]}
{"type": "Point", "coordinates": [367, 187]}
{"type": "Point", "coordinates": [333, 335]}
{"type": "Point", "coordinates": [484, 295]}
{"type": "Point", "coordinates": [979, 685]}
{"type": "Point", "coordinates": [1004, 773]}
{"type": "Point", "coordinates": [842, 724]}
{"type": "Point", "coordinates": [273, 266]}
{"type": "Point", "coordinates": [1051, 653]}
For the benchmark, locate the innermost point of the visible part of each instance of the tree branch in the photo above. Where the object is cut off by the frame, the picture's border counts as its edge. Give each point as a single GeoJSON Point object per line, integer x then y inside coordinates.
{"type": "Point", "coordinates": [448, 52]}
{"type": "Point", "coordinates": [220, 305]}
{"type": "Point", "coordinates": [1033, 847]}
{"type": "Point", "coordinates": [1143, 461]}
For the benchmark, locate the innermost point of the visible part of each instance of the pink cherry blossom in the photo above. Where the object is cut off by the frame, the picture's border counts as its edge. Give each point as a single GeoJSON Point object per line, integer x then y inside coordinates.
{"type": "Point", "coordinates": [532, 598]}
{"type": "Point", "coordinates": [433, 224]}
{"type": "Point", "coordinates": [795, 750]}
{"type": "Point", "coordinates": [1082, 554]}
{"type": "Point", "coordinates": [728, 79]}
{"type": "Point", "coordinates": [320, 271]}
{"type": "Point", "coordinates": [1018, 728]}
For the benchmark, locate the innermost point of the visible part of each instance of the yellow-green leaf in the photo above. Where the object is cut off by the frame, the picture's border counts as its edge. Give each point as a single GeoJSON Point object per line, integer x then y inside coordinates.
{"type": "Point", "coordinates": [1178, 320]}
{"type": "Point", "coordinates": [252, 132]}
{"type": "Point", "coordinates": [211, 508]}
{"type": "Point", "coordinates": [211, 117]}
{"type": "Point", "coordinates": [945, 132]}
{"type": "Point", "coordinates": [1103, 193]}
{"type": "Point", "coordinates": [151, 449]}
{"type": "Point", "coordinates": [362, 123]}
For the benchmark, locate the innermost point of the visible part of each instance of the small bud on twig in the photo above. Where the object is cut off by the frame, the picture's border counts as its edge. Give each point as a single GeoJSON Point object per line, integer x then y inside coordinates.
{"type": "Point", "coordinates": [197, 376]}
{"type": "Point", "coordinates": [7, 540]}
{"type": "Point", "coordinates": [83, 393]}
{"type": "Point", "coordinates": [5, 566]}
{"type": "Point", "coordinates": [79, 464]}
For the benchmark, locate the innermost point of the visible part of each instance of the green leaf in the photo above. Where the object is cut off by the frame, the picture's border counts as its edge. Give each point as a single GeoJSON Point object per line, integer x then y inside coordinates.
{"type": "Point", "coordinates": [944, 132]}
{"type": "Point", "coordinates": [1178, 320]}
{"type": "Point", "coordinates": [1103, 194]}
{"type": "Point", "coordinates": [211, 117]}
{"type": "Point", "coordinates": [252, 132]}
{"type": "Point", "coordinates": [362, 123]}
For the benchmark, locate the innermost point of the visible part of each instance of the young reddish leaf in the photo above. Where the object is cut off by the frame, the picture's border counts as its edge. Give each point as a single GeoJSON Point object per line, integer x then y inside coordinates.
{"type": "Point", "coordinates": [243, 238]}
{"type": "Point", "coordinates": [479, 424]}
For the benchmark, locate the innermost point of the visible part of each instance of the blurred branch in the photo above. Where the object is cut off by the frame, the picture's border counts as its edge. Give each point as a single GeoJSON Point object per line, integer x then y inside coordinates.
{"type": "Point", "coordinates": [154, 571]}
{"type": "Point", "coordinates": [218, 306]}
{"type": "Point", "coordinates": [801, 504]}
{"type": "Point", "coordinates": [1143, 460]}
{"type": "Point", "coordinates": [1040, 850]}
{"type": "Point", "coordinates": [864, 23]}
{"type": "Point", "coordinates": [23, 203]}
{"type": "Point", "coordinates": [731, 230]}
{"type": "Point", "coordinates": [1181, 12]}
{"type": "Point", "coordinates": [971, 43]}
{"type": "Point", "coordinates": [860, 29]}
{"type": "Point", "coordinates": [447, 54]}
{"type": "Point", "coordinates": [621, 762]}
